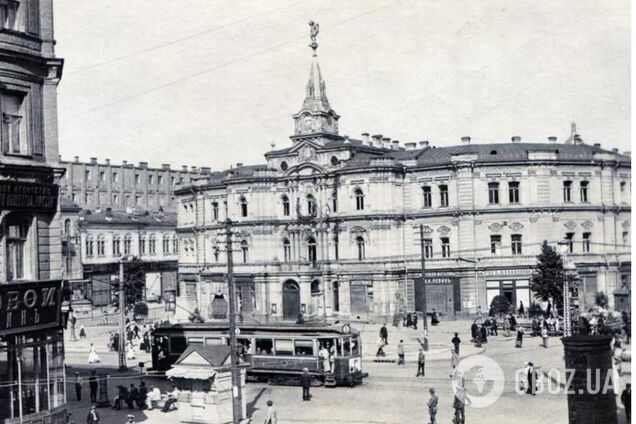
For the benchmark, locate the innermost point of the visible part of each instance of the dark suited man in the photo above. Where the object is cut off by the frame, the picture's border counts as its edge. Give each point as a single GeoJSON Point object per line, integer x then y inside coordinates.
{"type": "Point", "coordinates": [305, 380]}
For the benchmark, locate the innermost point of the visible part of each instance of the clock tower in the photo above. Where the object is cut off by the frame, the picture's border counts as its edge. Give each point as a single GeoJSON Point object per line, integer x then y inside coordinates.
{"type": "Point", "coordinates": [316, 120]}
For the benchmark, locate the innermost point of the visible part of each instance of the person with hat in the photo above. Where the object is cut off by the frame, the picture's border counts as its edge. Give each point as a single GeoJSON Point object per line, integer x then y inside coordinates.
{"type": "Point", "coordinates": [305, 380]}
{"type": "Point", "coordinates": [271, 413]}
{"type": "Point", "coordinates": [78, 386]}
{"type": "Point", "coordinates": [532, 376]}
{"type": "Point", "coordinates": [93, 416]}
{"type": "Point", "coordinates": [421, 361]}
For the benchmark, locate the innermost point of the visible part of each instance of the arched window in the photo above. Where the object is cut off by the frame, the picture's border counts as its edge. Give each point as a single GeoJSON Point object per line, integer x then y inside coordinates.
{"type": "Point", "coordinates": [142, 245]}
{"type": "Point", "coordinates": [311, 249]}
{"type": "Point", "coordinates": [360, 246]}
{"type": "Point", "coordinates": [244, 251]}
{"type": "Point", "coordinates": [243, 203]}
{"type": "Point", "coordinates": [334, 201]}
{"type": "Point", "coordinates": [101, 245]}
{"type": "Point", "coordinates": [285, 201]}
{"type": "Point", "coordinates": [286, 250]}
{"type": "Point", "coordinates": [127, 244]}
{"type": "Point", "coordinates": [175, 245]}
{"type": "Point", "coordinates": [315, 287]}
{"type": "Point", "coordinates": [67, 227]}
{"type": "Point", "coordinates": [116, 246]}
{"type": "Point", "coordinates": [166, 244]}
{"type": "Point", "coordinates": [311, 205]}
{"type": "Point", "coordinates": [359, 199]}
{"type": "Point", "coordinates": [90, 246]}
{"type": "Point", "coordinates": [152, 244]}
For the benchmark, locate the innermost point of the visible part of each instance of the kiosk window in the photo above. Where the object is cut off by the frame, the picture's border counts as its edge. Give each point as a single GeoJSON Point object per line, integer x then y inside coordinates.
{"type": "Point", "coordinates": [284, 347]}
{"type": "Point", "coordinates": [178, 344]}
{"type": "Point", "coordinates": [264, 346]}
{"type": "Point", "coordinates": [304, 347]}
{"type": "Point", "coordinates": [213, 341]}
{"type": "Point", "coordinates": [195, 340]}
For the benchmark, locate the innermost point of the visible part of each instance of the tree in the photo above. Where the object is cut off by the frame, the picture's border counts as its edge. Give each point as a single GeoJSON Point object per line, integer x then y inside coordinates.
{"type": "Point", "coordinates": [500, 305]}
{"type": "Point", "coordinates": [600, 299]}
{"type": "Point", "coordinates": [140, 310]}
{"type": "Point", "coordinates": [548, 277]}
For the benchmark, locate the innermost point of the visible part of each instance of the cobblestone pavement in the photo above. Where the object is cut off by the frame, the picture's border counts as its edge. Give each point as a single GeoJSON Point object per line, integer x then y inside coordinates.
{"type": "Point", "coordinates": [391, 393]}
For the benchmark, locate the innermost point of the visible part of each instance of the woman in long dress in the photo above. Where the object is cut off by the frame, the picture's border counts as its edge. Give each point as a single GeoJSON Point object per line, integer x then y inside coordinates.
{"type": "Point", "coordinates": [92, 355]}
{"type": "Point", "coordinates": [130, 351]}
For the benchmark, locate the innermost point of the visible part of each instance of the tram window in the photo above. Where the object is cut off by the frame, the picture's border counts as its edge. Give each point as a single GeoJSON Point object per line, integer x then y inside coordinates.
{"type": "Point", "coordinates": [284, 347]}
{"type": "Point", "coordinates": [339, 347]}
{"type": "Point", "coordinates": [264, 346]}
{"type": "Point", "coordinates": [213, 341]}
{"type": "Point", "coordinates": [195, 340]}
{"type": "Point", "coordinates": [244, 345]}
{"type": "Point", "coordinates": [346, 347]}
{"type": "Point", "coordinates": [355, 346]}
{"type": "Point", "coordinates": [178, 344]}
{"type": "Point", "coordinates": [304, 347]}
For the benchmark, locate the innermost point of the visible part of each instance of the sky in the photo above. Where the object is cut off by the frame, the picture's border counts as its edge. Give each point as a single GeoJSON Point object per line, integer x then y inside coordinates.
{"type": "Point", "coordinates": [213, 83]}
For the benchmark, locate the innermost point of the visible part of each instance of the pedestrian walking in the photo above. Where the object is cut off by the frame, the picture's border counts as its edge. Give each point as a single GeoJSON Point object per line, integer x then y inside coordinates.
{"type": "Point", "coordinates": [626, 400]}
{"type": "Point", "coordinates": [544, 337]}
{"type": "Point", "coordinates": [82, 333]}
{"type": "Point", "coordinates": [454, 359]}
{"type": "Point", "coordinates": [456, 341]}
{"type": "Point", "coordinates": [532, 376]}
{"type": "Point", "coordinates": [522, 310]}
{"type": "Point", "coordinates": [414, 321]}
{"type": "Point", "coordinates": [506, 326]}
{"type": "Point", "coordinates": [432, 405]}
{"type": "Point", "coordinates": [92, 385]}
{"type": "Point", "coordinates": [305, 380]}
{"type": "Point", "coordinates": [434, 320]}
{"type": "Point", "coordinates": [130, 351]}
{"type": "Point", "coordinates": [519, 341]}
{"type": "Point", "coordinates": [93, 416]}
{"type": "Point", "coordinates": [93, 358]}
{"type": "Point", "coordinates": [384, 334]}
{"type": "Point", "coordinates": [421, 362]}
{"type": "Point", "coordinates": [73, 322]}
{"type": "Point", "coordinates": [401, 353]}
{"type": "Point", "coordinates": [380, 352]}
{"type": "Point", "coordinates": [474, 329]}
{"type": "Point", "coordinates": [271, 418]}
{"type": "Point", "coordinates": [493, 326]}
{"type": "Point", "coordinates": [143, 396]}
{"type": "Point", "coordinates": [78, 387]}
{"type": "Point", "coordinates": [459, 404]}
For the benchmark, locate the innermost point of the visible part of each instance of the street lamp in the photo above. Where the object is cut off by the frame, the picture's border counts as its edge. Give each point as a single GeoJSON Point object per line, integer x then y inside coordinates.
{"type": "Point", "coordinates": [122, 312]}
{"type": "Point", "coordinates": [569, 270]}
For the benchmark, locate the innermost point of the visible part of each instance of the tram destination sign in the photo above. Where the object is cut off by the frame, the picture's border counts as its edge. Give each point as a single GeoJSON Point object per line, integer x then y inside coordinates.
{"type": "Point", "coordinates": [30, 306]}
{"type": "Point", "coordinates": [18, 195]}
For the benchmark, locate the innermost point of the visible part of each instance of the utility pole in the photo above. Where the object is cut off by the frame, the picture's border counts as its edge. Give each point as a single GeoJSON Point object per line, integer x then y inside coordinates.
{"type": "Point", "coordinates": [237, 408]}
{"type": "Point", "coordinates": [423, 291]}
{"type": "Point", "coordinates": [122, 318]}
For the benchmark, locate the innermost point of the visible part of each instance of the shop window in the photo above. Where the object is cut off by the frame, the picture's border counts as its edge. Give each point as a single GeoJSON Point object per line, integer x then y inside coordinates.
{"type": "Point", "coordinates": [264, 347]}
{"type": "Point", "coordinates": [445, 247]}
{"type": "Point", "coordinates": [359, 195]}
{"type": "Point", "coordinates": [17, 231]}
{"type": "Point", "coordinates": [567, 191]}
{"type": "Point", "coordinates": [513, 192]}
{"type": "Point", "coordinates": [515, 243]}
{"type": "Point", "coordinates": [428, 196]}
{"type": "Point", "coordinates": [493, 193]}
{"type": "Point", "coordinates": [495, 244]}
{"type": "Point", "coordinates": [443, 196]}
{"type": "Point", "coordinates": [303, 347]}
{"type": "Point", "coordinates": [14, 124]}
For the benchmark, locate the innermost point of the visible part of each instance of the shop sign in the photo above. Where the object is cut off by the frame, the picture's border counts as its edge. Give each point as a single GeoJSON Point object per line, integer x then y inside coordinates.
{"type": "Point", "coordinates": [17, 195]}
{"type": "Point", "coordinates": [30, 306]}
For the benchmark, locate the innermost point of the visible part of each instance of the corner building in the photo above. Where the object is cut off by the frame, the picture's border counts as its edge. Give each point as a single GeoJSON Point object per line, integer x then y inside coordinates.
{"type": "Point", "coordinates": [330, 226]}
{"type": "Point", "coordinates": [31, 340]}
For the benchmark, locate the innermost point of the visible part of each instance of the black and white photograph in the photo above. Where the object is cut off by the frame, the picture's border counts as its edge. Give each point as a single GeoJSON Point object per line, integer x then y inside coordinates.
{"type": "Point", "coordinates": [295, 212]}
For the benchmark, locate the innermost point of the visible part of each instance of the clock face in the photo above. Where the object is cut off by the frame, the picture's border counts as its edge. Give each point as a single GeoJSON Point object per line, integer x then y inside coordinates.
{"type": "Point", "coordinates": [307, 123]}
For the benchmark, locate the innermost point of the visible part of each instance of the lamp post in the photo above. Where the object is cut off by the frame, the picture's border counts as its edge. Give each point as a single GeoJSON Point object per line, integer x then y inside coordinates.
{"type": "Point", "coordinates": [569, 269]}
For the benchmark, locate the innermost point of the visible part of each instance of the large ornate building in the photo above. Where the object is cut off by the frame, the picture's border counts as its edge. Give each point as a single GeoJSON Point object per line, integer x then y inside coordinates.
{"type": "Point", "coordinates": [333, 226]}
{"type": "Point", "coordinates": [31, 339]}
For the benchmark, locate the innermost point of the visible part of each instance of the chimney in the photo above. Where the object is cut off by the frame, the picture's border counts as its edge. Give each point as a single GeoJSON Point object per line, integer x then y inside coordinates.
{"type": "Point", "coordinates": [205, 170]}
{"type": "Point", "coordinates": [239, 164]}
{"type": "Point", "coordinates": [424, 144]}
{"type": "Point", "coordinates": [597, 144]}
{"type": "Point", "coordinates": [552, 139]}
{"type": "Point", "coordinates": [386, 142]}
{"type": "Point", "coordinates": [93, 161]}
{"type": "Point", "coordinates": [377, 140]}
{"type": "Point", "coordinates": [465, 140]}
{"type": "Point", "coordinates": [165, 166]}
{"type": "Point", "coordinates": [395, 144]}
{"type": "Point", "coordinates": [193, 168]}
{"type": "Point", "coordinates": [365, 139]}
{"type": "Point", "coordinates": [143, 165]}
{"type": "Point", "coordinates": [410, 146]}
{"type": "Point", "coordinates": [515, 139]}
{"type": "Point", "coordinates": [107, 161]}
{"type": "Point", "coordinates": [184, 168]}
{"type": "Point", "coordinates": [614, 149]}
{"type": "Point", "coordinates": [578, 139]}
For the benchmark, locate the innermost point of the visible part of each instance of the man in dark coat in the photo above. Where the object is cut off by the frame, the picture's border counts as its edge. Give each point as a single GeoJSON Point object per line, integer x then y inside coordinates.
{"type": "Point", "coordinates": [474, 331]}
{"type": "Point", "coordinates": [531, 388]}
{"type": "Point", "coordinates": [459, 404]}
{"type": "Point", "coordinates": [92, 384]}
{"type": "Point", "coordinates": [78, 386]}
{"type": "Point", "coordinates": [456, 342]}
{"type": "Point", "coordinates": [133, 396]}
{"type": "Point", "coordinates": [493, 326]}
{"type": "Point", "coordinates": [626, 400]}
{"type": "Point", "coordinates": [384, 334]}
{"type": "Point", "coordinates": [305, 380]}
{"type": "Point", "coordinates": [93, 416]}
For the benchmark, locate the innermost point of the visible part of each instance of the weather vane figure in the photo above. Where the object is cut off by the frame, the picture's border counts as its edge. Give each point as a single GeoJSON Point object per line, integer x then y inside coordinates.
{"type": "Point", "coordinates": [313, 33]}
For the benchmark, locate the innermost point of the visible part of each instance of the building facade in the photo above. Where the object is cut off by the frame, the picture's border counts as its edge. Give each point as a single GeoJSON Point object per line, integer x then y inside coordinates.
{"type": "Point", "coordinates": [31, 339]}
{"type": "Point", "coordinates": [333, 226]}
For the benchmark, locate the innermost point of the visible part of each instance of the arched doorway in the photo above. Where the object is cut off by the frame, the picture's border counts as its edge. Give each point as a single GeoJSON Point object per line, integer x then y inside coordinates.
{"type": "Point", "coordinates": [291, 300]}
{"type": "Point", "coordinates": [335, 296]}
{"type": "Point", "coordinates": [316, 298]}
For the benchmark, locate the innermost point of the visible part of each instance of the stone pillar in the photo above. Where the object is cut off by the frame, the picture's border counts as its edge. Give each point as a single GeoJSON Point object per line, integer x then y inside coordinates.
{"type": "Point", "coordinates": [590, 358]}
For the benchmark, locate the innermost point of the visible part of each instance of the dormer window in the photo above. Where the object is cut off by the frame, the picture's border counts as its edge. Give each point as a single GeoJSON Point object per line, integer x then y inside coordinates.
{"type": "Point", "coordinates": [284, 166]}
{"type": "Point", "coordinates": [334, 161]}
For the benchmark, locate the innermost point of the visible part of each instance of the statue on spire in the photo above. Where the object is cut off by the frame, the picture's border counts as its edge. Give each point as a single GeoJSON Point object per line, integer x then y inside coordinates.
{"type": "Point", "coordinates": [314, 28]}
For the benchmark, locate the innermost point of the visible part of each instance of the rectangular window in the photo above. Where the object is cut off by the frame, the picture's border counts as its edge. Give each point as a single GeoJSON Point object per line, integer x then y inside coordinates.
{"type": "Point", "coordinates": [587, 242]}
{"type": "Point", "coordinates": [89, 247]}
{"type": "Point", "coordinates": [12, 15]}
{"type": "Point", "coordinates": [172, 180]}
{"type": "Point", "coordinates": [443, 196]}
{"type": "Point", "coordinates": [515, 243]}
{"type": "Point", "coordinates": [137, 178]}
{"type": "Point", "coordinates": [567, 191]}
{"type": "Point", "coordinates": [583, 191]}
{"type": "Point", "coordinates": [428, 197]}
{"type": "Point", "coordinates": [160, 179]}
{"type": "Point", "coordinates": [625, 238]}
{"type": "Point", "coordinates": [445, 247]}
{"type": "Point", "coordinates": [102, 176]}
{"type": "Point", "coordinates": [166, 245]}
{"type": "Point", "coordinates": [16, 243]}
{"type": "Point", "coordinates": [428, 248]}
{"type": "Point", "coordinates": [264, 347]}
{"type": "Point", "coordinates": [513, 192]}
{"type": "Point", "coordinates": [87, 174]}
{"type": "Point", "coordinates": [14, 125]}
{"type": "Point", "coordinates": [115, 177]}
{"type": "Point", "coordinates": [151, 179]}
{"type": "Point", "coordinates": [142, 246]}
{"type": "Point", "coordinates": [116, 247]}
{"type": "Point", "coordinates": [303, 347]}
{"type": "Point", "coordinates": [115, 199]}
{"type": "Point", "coordinates": [495, 244]}
{"type": "Point", "coordinates": [215, 211]}
{"type": "Point", "coordinates": [284, 347]}
{"type": "Point", "coordinates": [336, 252]}
{"type": "Point", "coordinates": [493, 193]}
{"type": "Point", "coordinates": [569, 237]}
{"type": "Point", "coordinates": [287, 251]}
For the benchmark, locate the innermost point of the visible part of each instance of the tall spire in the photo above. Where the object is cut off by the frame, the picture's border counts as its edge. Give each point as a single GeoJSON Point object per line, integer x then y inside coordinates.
{"type": "Point", "coordinates": [316, 115]}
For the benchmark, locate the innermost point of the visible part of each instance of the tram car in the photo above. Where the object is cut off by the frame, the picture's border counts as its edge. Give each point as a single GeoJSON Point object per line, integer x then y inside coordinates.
{"type": "Point", "coordinates": [276, 353]}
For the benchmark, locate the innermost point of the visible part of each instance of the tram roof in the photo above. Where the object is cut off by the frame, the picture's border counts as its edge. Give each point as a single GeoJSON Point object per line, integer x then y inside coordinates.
{"type": "Point", "coordinates": [308, 329]}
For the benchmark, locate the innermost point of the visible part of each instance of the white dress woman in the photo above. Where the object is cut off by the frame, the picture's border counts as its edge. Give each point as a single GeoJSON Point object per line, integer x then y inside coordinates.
{"type": "Point", "coordinates": [92, 355]}
{"type": "Point", "coordinates": [130, 351]}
